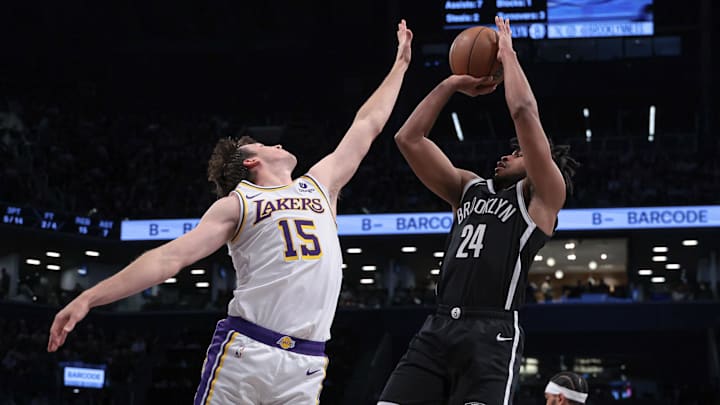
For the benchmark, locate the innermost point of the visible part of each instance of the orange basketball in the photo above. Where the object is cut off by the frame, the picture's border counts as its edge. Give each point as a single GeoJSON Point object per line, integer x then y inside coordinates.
{"type": "Point", "coordinates": [474, 52]}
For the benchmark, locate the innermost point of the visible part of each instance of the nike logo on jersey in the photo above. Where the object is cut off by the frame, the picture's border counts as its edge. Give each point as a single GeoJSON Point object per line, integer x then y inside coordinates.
{"type": "Point", "coordinates": [250, 197]}
{"type": "Point", "coordinates": [308, 372]}
{"type": "Point", "coordinates": [501, 338]}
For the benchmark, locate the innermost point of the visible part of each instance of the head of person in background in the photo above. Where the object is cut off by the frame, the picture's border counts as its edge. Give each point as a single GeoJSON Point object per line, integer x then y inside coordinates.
{"type": "Point", "coordinates": [566, 388]}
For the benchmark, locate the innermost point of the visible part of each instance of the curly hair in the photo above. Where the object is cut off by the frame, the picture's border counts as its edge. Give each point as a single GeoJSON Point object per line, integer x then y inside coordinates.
{"type": "Point", "coordinates": [561, 156]}
{"type": "Point", "coordinates": [225, 167]}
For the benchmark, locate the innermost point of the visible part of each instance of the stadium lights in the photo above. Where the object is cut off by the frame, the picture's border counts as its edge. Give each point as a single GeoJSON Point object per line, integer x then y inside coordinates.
{"type": "Point", "coordinates": [439, 254]}
{"type": "Point", "coordinates": [435, 272]}
{"type": "Point", "coordinates": [408, 249]}
{"type": "Point", "coordinates": [550, 261]}
{"type": "Point", "coordinates": [197, 271]}
{"type": "Point", "coordinates": [690, 242]}
{"type": "Point", "coordinates": [344, 266]}
{"type": "Point", "coordinates": [588, 131]}
{"type": "Point", "coordinates": [369, 268]}
{"type": "Point", "coordinates": [34, 262]}
{"type": "Point", "coordinates": [202, 284]}
{"type": "Point", "coordinates": [660, 249]}
{"type": "Point", "coordinates": [458, 129]}
{"type": "Point", "coordinates": [659, 258]}
{"type": "Point", "coordinates": [354, 250]}
{"type": "Point", "coordinates": [672, 266]}
{"type": "Point", "coordinates": [658, 279]}
{"type": "Point", "coordinates": [603, 256]}
{"type": "Point", "coordinates": [52, 254]}
{"type": "Point", "coordinates": [92, 253]}
{"type": "Point", "coordinates": [651, 124]}
{"type": "Point", "coordinates": [52, 267]}
{"type": "Point", "coordinates": [367, 281]}
{"type": "Point", "coordinates": [571, 256]}
{"type": "Point", "coordinates": [538, 258]}
{"type": "Point", "coordinates": [171, 280]}
{"type": "Point", "coordinates": [645, 272]}
{"type": "Point", "coordinates": [592, 265]}
{"type": "Point", "coordinates": [559, 274]}
{"type": "Point", "coordinates": [570, 245]}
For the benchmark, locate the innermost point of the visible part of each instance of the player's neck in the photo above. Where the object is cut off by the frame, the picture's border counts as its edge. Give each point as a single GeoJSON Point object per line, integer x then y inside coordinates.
{"type": "Point", "coordinates": [501, 183]}
{"type": "Point", "coordinates": [276, 178]}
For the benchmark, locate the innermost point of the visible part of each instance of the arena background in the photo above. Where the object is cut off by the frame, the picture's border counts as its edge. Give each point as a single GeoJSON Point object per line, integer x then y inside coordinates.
{"type": "Point", "coordinates": [108, 111]}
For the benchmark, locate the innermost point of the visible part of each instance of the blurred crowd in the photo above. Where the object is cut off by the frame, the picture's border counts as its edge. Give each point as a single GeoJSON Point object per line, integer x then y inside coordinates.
{"type": "Point", "coordinates": [150, 165]}
{"type": "Point", "coordinates": [147, 360]}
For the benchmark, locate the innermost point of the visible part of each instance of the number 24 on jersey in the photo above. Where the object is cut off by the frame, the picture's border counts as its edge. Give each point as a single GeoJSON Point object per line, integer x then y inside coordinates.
{"type": "Point", "coordinates": [472, 241]}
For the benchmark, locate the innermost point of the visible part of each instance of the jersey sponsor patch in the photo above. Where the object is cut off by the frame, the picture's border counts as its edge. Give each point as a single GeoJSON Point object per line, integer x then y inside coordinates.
{"type": "Point", "coordinates": [305, 187]}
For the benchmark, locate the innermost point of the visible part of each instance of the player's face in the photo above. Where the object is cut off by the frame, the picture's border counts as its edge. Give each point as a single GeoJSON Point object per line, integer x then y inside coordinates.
{"type": "Point", "coordinates": [271, 153]}
{"type": "Point", "coordinates": [511, 166]}
{"type": "Point", "coordinates": [551, 399]}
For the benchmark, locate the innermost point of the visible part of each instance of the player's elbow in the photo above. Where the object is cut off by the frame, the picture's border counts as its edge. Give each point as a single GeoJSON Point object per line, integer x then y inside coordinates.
{"type": "Point", "coordinates": [169, 262]}
{"type": "Point", "coordinates": [406, 138]}
{"type": "Point", "coordinates": [522, 109]}
{"type": "Point", "coordinates": [371, 124]}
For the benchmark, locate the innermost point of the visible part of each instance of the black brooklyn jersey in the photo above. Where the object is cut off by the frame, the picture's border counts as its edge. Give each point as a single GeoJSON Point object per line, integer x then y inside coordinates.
{"type": "Point", "coordinates": [490, 248]}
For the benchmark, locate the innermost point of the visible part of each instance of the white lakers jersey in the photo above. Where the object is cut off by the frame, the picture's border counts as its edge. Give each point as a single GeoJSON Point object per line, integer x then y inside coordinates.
{"type": "Point", "coordinates": [287, 258]}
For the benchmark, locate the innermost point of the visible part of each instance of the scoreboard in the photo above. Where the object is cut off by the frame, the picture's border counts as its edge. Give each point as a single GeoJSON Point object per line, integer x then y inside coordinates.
{"type": "Point", "coordinates": [548, 19]}
{"type": "Point", "coordinates": [29, 217]}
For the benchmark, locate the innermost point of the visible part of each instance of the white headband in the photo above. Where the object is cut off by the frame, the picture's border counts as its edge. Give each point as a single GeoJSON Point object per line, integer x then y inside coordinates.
{"type": "Point", "coordinates": [555, 389]}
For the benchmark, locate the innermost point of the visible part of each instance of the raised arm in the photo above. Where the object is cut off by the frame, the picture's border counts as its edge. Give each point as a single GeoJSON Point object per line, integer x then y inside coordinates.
{"type": "Point", "coordinates": [425, 158]}
{"type": "Point", "coordinates": [546, 180]}
{"type": "Point", "coordinates": [151, 268]}
{"type": "Point", "coordinates": [336, 169]}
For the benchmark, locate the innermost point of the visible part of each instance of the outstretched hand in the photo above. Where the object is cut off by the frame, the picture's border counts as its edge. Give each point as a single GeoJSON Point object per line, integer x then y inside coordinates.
{"type": "Point", "coordinates": [474, 86]}
{"type": "Point", "coordinates": [65, 322]}
{"type": "Point", "coordinates": [404, 36]}
{"type": "Point", "coordinates": [504, 36]}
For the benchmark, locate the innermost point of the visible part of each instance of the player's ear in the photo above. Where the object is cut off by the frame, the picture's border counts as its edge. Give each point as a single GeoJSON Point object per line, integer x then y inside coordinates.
{"type": "Point", "coordinates": [251, 162]}
{"type": "Point", "coordinates": [562, 400]}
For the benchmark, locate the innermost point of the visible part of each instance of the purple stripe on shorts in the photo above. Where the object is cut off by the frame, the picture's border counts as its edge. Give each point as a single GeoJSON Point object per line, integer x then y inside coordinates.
{"type": "Point", "coordinates": [271, 338]}
{"type": "Point", "coordinates": [221, 334]}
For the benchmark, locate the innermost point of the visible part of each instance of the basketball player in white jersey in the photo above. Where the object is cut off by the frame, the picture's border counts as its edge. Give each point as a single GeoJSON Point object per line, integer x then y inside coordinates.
{"type": "Point", "coordinates": [282, 237]}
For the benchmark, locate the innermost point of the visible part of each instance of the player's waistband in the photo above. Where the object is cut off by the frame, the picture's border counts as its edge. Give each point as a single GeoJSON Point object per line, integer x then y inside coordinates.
{"type": "Point", "coordinates": [460, 312]}
{"type": "Point", "coordinates": [272, 338]}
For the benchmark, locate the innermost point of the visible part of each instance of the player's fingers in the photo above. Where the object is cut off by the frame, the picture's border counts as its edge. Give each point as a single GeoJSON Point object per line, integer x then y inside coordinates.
{"type": "Point", "coordinates": [484, 79]}
{"type": "Point", "coordinates": [54, 341]}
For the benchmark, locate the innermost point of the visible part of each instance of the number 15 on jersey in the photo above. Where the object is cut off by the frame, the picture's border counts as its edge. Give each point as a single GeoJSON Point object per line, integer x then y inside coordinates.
{"type": "Point", "coordinates": [296, 230]}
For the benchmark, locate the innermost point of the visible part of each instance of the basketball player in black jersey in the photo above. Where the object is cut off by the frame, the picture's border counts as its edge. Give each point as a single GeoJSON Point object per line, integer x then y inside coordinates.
{"type": "Point", "coordinates": [469, 351]}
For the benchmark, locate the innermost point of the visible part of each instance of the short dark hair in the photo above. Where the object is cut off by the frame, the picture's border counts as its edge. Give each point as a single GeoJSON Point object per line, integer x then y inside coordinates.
{"type": "Point", "coordinates": [571, 381]}
{"type": "Point", "coordinates": [225, 167]}
{"type": "Point", "coordinates": [561, 156]}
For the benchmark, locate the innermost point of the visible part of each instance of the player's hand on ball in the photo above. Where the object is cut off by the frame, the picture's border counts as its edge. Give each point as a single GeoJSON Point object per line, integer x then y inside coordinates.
{"type": "Point", "coordinates": [474, 86]}
{"type": "Point", "coordinates": [404, 36]}
{"type": "Point", "coordinates": [504, 36]}
{"type": "Point", "coordinates": [65, 322]}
